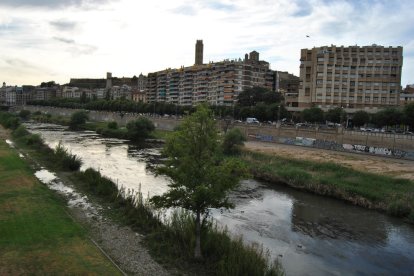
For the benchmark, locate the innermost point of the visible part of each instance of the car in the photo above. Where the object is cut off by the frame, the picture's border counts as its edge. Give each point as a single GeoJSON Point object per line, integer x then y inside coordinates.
{"type": "Point", "coordinates": [252, 121]}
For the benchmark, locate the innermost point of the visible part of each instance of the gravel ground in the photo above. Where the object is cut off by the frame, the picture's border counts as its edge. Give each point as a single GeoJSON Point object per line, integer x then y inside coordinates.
{"type": "Point", "coordinates": [123, 245]}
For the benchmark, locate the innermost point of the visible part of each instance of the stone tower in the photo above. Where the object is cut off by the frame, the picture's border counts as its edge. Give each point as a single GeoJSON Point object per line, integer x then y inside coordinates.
{"type": "Point", "coordinates": [108, 80]}
{"type": "Point", "coordinates": [199, 52]}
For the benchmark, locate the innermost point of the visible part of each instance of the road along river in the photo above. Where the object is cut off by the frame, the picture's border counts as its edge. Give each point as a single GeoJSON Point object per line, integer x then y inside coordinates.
{"type": "Point", "coordinates": [309, 234]}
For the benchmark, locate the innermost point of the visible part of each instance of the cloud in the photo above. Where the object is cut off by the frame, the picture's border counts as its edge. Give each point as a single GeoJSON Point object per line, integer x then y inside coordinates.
{"type": "Point", "coordinates": [64, 40]}
{"type": "Point", "coordinates": [50, 4]}
{"type": "Point", "coordinates": [63, 25]}
{"type": "Point", "coordinates": [303, 8]}
{"type": "Point", "coordinates": [186, 9]}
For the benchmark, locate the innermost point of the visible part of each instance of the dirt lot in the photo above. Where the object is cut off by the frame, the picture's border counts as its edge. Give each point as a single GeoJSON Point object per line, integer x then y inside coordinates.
{"type": "Point", "coordinates": [375, 164]}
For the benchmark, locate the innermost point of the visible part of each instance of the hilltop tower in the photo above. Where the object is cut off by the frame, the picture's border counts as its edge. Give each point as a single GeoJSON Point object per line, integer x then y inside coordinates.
{"type": "Point", "coordinates": [108, 80]}
{"type": "Point", "coordinates": [199, 52]}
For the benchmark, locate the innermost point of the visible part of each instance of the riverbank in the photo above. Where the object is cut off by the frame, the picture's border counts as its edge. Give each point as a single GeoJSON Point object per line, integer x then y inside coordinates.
{"type": "Point", "coordinates": [36, 233]}
{"type": "Point", "coordinates": [394, 196]}
{"type": "Point", "coordinates": [172, 246]}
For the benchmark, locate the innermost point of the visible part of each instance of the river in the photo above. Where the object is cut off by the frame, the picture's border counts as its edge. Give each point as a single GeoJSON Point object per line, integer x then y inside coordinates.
{"type": "Point", "coordinates": [309, 234]}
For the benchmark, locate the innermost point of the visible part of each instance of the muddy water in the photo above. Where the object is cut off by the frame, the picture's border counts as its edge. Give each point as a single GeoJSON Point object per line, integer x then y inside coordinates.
{"type": "Point", "coordinates": [310, 235]}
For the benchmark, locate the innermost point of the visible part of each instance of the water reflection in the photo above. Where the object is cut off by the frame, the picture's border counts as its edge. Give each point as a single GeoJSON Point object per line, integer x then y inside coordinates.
{"type": "Point", "coordinates": [311, 235]}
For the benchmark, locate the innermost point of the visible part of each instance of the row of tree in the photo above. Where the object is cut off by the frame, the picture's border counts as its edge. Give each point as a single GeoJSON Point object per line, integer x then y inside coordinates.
{"type": "Point", "coordinates": [386, 117]}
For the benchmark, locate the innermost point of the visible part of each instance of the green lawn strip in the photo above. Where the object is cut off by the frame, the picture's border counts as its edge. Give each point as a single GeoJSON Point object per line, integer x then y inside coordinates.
{"type": "Point", "coordinates": [36, 234]}
{"type": "Point", "coordinates": [393, 195]}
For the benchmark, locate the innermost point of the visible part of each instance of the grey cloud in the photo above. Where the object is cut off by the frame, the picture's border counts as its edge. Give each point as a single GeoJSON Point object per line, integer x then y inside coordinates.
{"type": "Point", "coordinates": [63, 25]}
{"type": "Point", "coordinates": [15, 62]}
{"type": "Point", "coordinates": [75, 48]}
{"type": "Point", "coordinates": [64, 40]}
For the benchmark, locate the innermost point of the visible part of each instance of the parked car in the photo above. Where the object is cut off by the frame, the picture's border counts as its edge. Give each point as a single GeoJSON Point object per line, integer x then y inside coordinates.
{"type": "Point", "coordinates": [252, 121]}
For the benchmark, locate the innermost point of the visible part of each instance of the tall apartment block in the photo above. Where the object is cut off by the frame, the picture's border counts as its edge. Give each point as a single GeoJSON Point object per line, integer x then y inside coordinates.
{"type": "Point", "coordinates": [217, 83]}
{"type": "Point", "coordinates": [354, 78]}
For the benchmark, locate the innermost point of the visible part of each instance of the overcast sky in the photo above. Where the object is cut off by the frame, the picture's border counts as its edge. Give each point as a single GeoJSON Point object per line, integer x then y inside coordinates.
{"type": "Point", "coordinates": [43, 40]}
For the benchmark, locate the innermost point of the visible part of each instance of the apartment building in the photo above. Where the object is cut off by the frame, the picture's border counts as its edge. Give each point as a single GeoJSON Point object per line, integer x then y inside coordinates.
{"type": "Point", "coordinates": [217, 83]}
{"type": "Point", "coordinates": [354, 78]}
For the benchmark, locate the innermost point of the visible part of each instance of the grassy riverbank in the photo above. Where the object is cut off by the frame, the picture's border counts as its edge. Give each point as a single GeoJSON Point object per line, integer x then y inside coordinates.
{"type": "Point", "coordinates": [392, 195]}
{"type": "Point", "coordinates": [37, 236]}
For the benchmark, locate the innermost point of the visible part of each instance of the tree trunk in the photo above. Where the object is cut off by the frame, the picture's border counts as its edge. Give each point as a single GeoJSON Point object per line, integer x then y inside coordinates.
{"type": "Point", "coordinates": [197, 251]}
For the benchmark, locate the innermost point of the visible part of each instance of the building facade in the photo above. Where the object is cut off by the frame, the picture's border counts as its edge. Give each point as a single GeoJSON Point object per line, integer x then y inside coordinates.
{"type": "Point", "coordinates": [354, 78]}
{"type": "Point", "coordinates": [216, 83]}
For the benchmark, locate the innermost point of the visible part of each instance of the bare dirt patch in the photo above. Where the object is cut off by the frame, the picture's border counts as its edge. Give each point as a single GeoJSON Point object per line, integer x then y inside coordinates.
{"type": "Point", "coordinates": [366, 163]}
{"type": "Point", "coordinates": [22, 181]}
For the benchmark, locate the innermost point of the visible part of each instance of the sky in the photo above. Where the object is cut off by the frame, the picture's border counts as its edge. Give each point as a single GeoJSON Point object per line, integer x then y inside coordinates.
{"type": "Point", "coordinates": [45, 40]}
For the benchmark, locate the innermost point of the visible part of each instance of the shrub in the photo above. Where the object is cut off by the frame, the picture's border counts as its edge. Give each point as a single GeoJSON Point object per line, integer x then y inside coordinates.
{"type": "Point", "coordinates": [20, 132]}
{"type": "Point", "coordinates": [34, 140]}
{"type": "Point", "coordinates": [138, 130]}
{"type": "Point", "coordinates": [24, 114]}
{"type": "Point", "coordinates": [112, 125]}
{"type": "Point", "coordinates": [233, 139]}
{"type": "Point", "coordinates": [77, 119]}
{"type": "Point", "coordinates": [66, 160]}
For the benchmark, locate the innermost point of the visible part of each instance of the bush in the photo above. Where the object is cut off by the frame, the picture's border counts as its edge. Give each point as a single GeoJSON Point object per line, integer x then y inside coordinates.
{"type": "Point", "coordinates": [77, 119]}
{"type": "Point", "coordinates": [66, 160]}
{"type": "Point", "coordinates": [233, 139]}
{"type": "Point", "coordinates": [9, 120]}
{"type": "Point", "coordinates": [24, 114]}
{"type": "Point", "coordinates": [140, 129]}
{"type": "Point", "coordinates": [34, 140]}
{"type": "Point", "coordinates": [20, 132]}
{"type": "Point", "coordinates": [112, 125]}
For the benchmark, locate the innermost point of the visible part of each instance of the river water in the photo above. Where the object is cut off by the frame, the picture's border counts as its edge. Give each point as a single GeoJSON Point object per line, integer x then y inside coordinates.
{"type": "Point", "coordinates": [309, 234]}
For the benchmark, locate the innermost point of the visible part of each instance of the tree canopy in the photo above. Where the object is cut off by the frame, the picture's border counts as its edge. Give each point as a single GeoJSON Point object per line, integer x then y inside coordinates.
{"type": "Point", "coordinates": [360, 118]}
{"type": "Point", "coordinates": [200, 176]}
{"type": "Point", "coordinates": [252, 96]}
{"type": "Point", "coordinates": [312, 115]}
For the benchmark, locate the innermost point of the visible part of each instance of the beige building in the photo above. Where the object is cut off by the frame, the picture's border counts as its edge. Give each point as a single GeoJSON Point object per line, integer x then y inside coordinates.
{"type": "Point", "coordinates": [217, 83]}
{"type": "Point", "coordinates": [354, 78]}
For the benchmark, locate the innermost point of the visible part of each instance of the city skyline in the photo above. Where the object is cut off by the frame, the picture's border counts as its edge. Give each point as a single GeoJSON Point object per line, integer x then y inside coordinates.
{"type": "Point", "coordinates": [45, 40]}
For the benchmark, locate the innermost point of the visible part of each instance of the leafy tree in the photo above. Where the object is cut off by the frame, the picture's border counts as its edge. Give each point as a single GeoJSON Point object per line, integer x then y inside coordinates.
{"type": "Point", "coordinates": [335, 115]}
{"type": "Point", "coordinates": [200, 177]}
{"type": "Point", "coordinates": [387, 117]}
{"type": "Point", "coordinates": [83, 98]}
{"type": "Point", "coordinates": [360, 118]}
{"type": "Point", "coordinates": [312, 115]}
{"type": "Point", "coordinates": [139, 129]}
{"type": "Point", "coordinates": [409, 115]}
{"type": "Point", "coordinates": [77, 119]}
{"type": "Point", "coordinates": [233, 139]}
{"type": "Point", "coordinates": [48, 84]}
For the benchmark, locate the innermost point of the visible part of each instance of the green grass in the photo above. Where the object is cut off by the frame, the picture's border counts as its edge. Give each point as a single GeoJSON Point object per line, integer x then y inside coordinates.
{"type": "Point", "coordinates": [36, 234]}
{"type": "Point", "coordinates": [393, 195]}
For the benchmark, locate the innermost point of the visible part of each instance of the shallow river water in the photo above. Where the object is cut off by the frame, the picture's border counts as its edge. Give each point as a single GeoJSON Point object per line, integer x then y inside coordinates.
{"type": "Point", "coordinates": [309, 234]}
